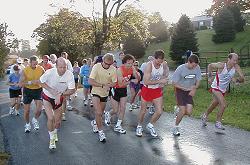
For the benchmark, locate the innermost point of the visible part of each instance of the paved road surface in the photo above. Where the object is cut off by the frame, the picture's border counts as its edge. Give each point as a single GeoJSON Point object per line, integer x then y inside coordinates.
{"type": "Point", "coordinates": [79, 145]}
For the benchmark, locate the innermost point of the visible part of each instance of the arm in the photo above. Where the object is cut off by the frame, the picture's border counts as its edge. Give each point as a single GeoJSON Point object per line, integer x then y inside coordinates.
{"type": "Point", "coordinates": [147, 76]}
{"type": "Point", "coordinates": [211, 67]}
{"type": "Point", "coordinates": [241, 78]}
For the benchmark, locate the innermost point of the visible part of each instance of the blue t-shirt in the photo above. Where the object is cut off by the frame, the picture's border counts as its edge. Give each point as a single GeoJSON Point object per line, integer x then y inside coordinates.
{"type": "Point", "coordinates": [85, 72]}
{"type": "Point", "coordinates": [14, 78]}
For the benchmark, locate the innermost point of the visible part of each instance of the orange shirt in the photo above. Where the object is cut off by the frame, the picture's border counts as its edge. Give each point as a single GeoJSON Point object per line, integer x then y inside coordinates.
{"type": "Point", "coordinates": [46, 66]}
{"type": "Point", "coordinates": [126, 74]}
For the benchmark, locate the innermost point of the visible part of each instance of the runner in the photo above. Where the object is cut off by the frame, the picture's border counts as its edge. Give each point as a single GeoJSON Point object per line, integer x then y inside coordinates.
{"type": "Point", "coordinates": [14, 91]}
{"type": "Point", "coordinates": [66, 102]}
{"type": "Point", "coordinates": [135, 88]}
{"type": "Point", "coordinates": [32, 91]}
{"type": "Point", "coordinates": [102, 77]}
{"type": "Point", "coordinates": [186, 79]}
{"type": "Point", "coordinates": [57, 83]}
{"type": "Point", "coordinates": [224, 74]}
{"type": "Point", "coordinates": [155, 78]}
{"type": "Point", "coordinates": [119, 91]}
{"type": "Point", "coordinates": [76, 71]}
{"type": "Point", "coordinates": [45, 63]}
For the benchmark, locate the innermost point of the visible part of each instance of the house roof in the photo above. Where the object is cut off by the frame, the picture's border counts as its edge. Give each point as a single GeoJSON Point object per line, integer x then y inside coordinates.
{"type": "Point", "coordinates": [201, 18]}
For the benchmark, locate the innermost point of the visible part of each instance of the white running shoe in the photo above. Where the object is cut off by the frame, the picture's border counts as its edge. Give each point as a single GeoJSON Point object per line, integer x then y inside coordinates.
{"type": "Point", "coordinates": [151, 130]}
{"type": "Point", "coordinates": [94, 126]}
{"type": "Point", "coordinates": [27, 128]}
{"type": "Point", "coordinates": [176, 111]}
{"type": "Point", "coordinates": [151, 110]}
{"type": "Point", "coordinates": [35, 123]}
{"type": "Point", "coordinates": [17, 112]}
{"type": "Point", "coordinates": [219, 125]}
{"type": "Point", "coordinates": [76, 94]}
{"type": "Point", "coordinates": [12, 110]}
{"type": "Point", "coordinates": [63, 117]}
{"type": "Point", "coordinates": [176, 131]}
{"type": "Point", "coordinates": [86, 102]}
{"type": "Point", "coordinates": [130, 107]}
{"type": "Point", "coordinates": [52, 144]}
{"type": "Point", "coordinates": [119, 129]}
{"type": "Point", "coordinates": [204, 120]}
{"type": "Point", "coordinates": [102, 136]}
{"type": "Point", "coordinates": [139, 130]}
{"type": "Point", "coordinates": [107, 118]}
{"type": "Point", "coordinates": [69, 108]}
{"type": "Point", "coordinates": [91, 103]}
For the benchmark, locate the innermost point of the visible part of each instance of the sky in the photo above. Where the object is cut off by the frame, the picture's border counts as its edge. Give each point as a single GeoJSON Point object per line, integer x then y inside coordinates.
{"type": "Point", "coordinates": [24, 16]}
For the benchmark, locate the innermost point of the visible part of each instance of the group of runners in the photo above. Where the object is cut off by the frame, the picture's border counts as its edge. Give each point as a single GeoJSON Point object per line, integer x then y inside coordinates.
{"type": "Point", "coordinates": [51, 83]}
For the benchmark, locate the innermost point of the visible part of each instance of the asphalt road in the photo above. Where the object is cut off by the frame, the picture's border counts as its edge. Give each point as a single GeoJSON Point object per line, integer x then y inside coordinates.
{"type": "Point", "coordinates": [79, 145]}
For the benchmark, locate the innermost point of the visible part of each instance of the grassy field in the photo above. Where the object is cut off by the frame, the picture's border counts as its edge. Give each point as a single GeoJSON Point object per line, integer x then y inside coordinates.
{"type": "Point", "coordinates": [237, 113]}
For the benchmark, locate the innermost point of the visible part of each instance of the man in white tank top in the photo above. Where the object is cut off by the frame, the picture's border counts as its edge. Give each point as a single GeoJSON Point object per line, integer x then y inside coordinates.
{"type": "Point", "coordinates": [155, 78]}
{"type": "Point", "coordinates": [224, 74]}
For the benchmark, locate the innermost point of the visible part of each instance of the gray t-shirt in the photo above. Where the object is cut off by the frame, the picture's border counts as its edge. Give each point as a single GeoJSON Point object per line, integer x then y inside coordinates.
{"type": "Point", "coordinates": [186, 77]}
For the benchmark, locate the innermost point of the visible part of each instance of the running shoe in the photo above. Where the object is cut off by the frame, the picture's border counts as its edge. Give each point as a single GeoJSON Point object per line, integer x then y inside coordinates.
{"type": "Point", "coordinates": [130, 107]}
{"type": "Point", "coordinates": [52, 144]}
{"type": "Point", "coordinates": [102, 137]}
{"type": "Point", "coordinates": [151, 110]}
{"type": "Point", "coordinates": [91, 103]}
{"type": "Point", "coordinates": [86, 102]}
{"type": "Point", "coordinates": [176, 111]}
{"type": "Point", "coordinates": [63, 117]}
{"type": "Point", "coordinates": [17, 112]}
{"type": "Point", "coordinates": [27, 128]}
{"type": "Point", "coordinates": [151, 130]}
{"type": "Point", "coordinates": [204, 120]}
{"type": "Point", "coordinates": [12, 110]}
{"type": "Point", "coordinates": [219, 125]}
{"type": "Point", "coordinates": [94, 126]}
{"type": "Point", "coordinates": [176, 131]}
{"type": "Point", "coordinates": [119, 129]}
{"type": "Point", "coordinates": [107, 118]}
{"type": "Point", "coordinates": [139, 131]}
{"type": "Point", "coordinates": [35, 123]}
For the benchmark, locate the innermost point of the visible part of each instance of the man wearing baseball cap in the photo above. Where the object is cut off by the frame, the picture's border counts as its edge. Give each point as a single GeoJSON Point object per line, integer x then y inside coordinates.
{"type": "Point", "coordinates": [19, 62]}
{"type": "Point", "coordinates": [45, 63]}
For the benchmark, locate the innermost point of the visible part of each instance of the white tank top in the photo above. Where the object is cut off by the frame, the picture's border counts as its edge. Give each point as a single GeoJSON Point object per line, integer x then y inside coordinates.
{"type": "Point", "coordinates": [156, 74]}
{"type": "Point", "coordinates": [222, 80]}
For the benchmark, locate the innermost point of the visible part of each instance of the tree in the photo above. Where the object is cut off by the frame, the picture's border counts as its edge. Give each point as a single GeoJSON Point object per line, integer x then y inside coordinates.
{"type": "Point", "coordinates": [223, 27]}
{"type": "Point", "coordinates": [7, 41]}
{"type": "Point", "coordinates": [183, 39]}
{"type": "Point", "coordinates": [102, 26]}
{"type": "Point", "coordinates": [238, 19]}
{"type": "Point", "coordinates": [158, 28]}
{"type": "Point", "coordinates": [220, 4]}
{"type": "Point", "coordinates": [66, 31]}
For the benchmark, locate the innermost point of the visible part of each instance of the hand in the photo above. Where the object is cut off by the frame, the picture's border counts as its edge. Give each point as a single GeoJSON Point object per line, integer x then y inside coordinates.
{"type": "Point", "coordinates": [192, 93]}
{"type": "Point", "coordinates": [58, 99]}
{"type": "Point", "coordinates": [163, 81]}
{"type": "Point", "coordinates": [210, 80]}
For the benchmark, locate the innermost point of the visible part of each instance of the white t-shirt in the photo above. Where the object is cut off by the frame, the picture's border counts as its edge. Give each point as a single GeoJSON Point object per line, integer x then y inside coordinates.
{"type": "Point", "coordinates": [60, 83]}
{"type": "Point", "coordinates": [69, 65]}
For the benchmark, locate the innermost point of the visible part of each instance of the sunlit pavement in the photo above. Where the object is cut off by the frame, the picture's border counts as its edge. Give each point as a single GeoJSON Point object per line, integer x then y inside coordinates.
{"type": "Point", "coordinates": [79, 145]}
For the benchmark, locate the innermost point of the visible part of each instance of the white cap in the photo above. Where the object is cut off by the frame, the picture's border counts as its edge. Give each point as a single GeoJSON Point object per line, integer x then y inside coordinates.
{"type": "Point", "coordinates": [19, 60]}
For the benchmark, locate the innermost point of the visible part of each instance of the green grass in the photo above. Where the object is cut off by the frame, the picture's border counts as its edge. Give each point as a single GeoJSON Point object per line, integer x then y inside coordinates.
{"type": "Point", "coordinates": [237, 113]}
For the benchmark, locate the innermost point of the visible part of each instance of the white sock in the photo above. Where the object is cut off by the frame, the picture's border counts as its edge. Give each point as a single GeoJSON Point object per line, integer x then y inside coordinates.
{"type": "Point", "coordinates": [51, 134]}
{"type": "Point", "coordinates": [150, 125]}
{"type": "Point", "coordinates": [119, 122]}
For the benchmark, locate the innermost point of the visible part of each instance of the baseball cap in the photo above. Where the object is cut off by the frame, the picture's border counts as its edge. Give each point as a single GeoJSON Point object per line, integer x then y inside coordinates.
{"type": "Point", "coordinates": [19, 60]}
{"type": "Point", "coordinates": [16, 67]}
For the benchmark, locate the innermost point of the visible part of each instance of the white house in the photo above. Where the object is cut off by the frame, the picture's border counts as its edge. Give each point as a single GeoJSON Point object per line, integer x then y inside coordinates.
{"type": "Point", "coordinates": [203, 20]}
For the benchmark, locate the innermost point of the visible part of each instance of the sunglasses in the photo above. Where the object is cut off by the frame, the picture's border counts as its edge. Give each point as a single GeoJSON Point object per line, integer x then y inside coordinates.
{"type": "Point", "coordinates": [107, 63]}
